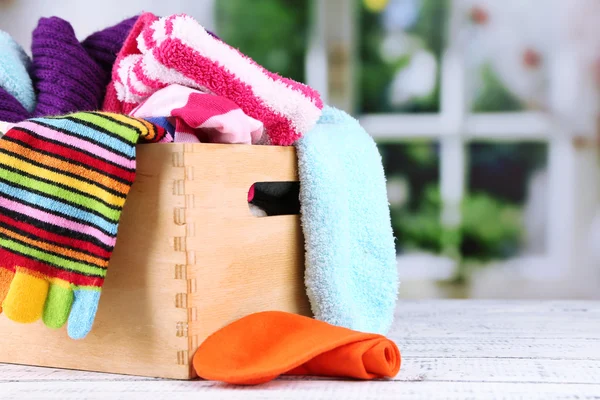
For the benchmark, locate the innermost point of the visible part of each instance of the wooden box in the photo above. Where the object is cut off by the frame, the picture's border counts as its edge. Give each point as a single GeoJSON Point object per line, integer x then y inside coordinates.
{"type": "Point", "coordinates": [190, 258]}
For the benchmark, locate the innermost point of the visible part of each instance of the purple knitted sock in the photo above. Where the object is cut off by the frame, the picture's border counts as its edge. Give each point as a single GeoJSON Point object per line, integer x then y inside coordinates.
{"type": "Point", "coordinates": [65, 76]}
{"type": "Point", "coordinates": [10, 108]}
{"type": "Point", "coordinates": [68, 76]}
{"type": "Point", "coordinates": [104, 45]}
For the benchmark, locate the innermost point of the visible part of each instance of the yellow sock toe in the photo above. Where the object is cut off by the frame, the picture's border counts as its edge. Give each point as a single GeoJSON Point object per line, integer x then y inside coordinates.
{"type": "Point", "coordinates": [26, 297]}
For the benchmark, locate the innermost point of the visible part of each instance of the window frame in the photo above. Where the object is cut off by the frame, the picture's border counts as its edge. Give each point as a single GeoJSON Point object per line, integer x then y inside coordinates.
{"type": "Point", "coordinates": [568, 212]}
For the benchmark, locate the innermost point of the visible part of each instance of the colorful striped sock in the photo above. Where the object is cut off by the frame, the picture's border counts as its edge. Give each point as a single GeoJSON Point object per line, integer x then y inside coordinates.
{"type": "Point", "coordinates": [63, 183]}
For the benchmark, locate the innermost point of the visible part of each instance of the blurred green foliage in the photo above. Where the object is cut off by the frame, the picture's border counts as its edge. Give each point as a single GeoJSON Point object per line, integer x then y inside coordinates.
{"type": "Point", "coordinates": [431, 27]}
{"type": "Point", "coordinates": [375, 74]}
{"type": "Point", "coordinates": [490, 228]}
{"type": "Point", "coordinates": [273, 32]}
{"type": "Point", "coordinates": [493, 95]}
{"type": "Point", "coordinates": [492, 218]}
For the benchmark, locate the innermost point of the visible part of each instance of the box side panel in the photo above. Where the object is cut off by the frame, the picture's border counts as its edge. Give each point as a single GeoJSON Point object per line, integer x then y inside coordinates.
{"type": "Point", "coordinates": [239, 264]}
{"type": "Point", "coordinates": [140, 325]}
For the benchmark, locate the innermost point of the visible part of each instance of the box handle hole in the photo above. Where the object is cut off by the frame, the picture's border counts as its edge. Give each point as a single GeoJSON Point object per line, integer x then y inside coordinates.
{"type": "Point", "coordinates": [267, 199]}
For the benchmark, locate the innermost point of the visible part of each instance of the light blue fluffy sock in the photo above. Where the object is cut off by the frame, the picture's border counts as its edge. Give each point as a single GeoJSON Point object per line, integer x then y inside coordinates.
{"type": "Point", "coordinates": [83, 313]}
{"type": "Point", "coordinates": [14, 76]}
{"type": "Point", "coordinates": [351, 274]}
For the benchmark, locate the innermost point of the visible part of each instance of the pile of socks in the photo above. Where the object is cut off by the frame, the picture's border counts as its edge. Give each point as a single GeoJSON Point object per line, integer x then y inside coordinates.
{"type": "Point", "coordinates": [72, 114]}
{"type": "Point", "coordinates": [63, 75]}
{"type": "Point", "coordinates": [178, 50]}
{"type": "Point", "coordinates": [170, 71]}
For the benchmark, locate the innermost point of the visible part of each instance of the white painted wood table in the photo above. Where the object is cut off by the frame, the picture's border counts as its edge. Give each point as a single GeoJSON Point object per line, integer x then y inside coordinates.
{"type": "Point", "coordinates": [451, 349]}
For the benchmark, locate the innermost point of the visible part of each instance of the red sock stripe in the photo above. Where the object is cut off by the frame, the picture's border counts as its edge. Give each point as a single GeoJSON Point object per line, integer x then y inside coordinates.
{"type": "Point", "coordinates": [50, 271]}
{"type": "Point", "coordinates": [42, 234]}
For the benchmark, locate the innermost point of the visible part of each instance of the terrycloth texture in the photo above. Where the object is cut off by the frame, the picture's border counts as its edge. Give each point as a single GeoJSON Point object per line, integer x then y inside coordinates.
{"type": "Point", "coordinates": [63, 184]}
{"type": "Point", "coordinates": [351, 275]}
{"type": "Point", "coordinates": [200, 117]}
{"type": "Point", "coordinates": [177, 49]}
{"type": "Point", "coordinates": [262, 346]}
{"type": "Point", "coordinates": [68, 75]}
{"type": "Point", "coordinates": [111, 102]}
{"type": "Point", "coordinates": [14, 75]}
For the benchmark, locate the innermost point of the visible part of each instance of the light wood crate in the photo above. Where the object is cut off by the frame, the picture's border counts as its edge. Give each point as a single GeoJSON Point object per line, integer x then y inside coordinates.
{"type": "Point", "coordinates": [189, 259]}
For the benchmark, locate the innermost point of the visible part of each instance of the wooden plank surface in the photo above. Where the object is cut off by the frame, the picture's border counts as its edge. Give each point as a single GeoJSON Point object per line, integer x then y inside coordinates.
{"type": "Point", "coordinates": [452, 349]}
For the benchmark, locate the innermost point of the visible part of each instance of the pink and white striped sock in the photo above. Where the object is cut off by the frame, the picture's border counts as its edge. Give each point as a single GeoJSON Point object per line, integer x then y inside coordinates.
{"type": "Point", "coordinates": [176, 49]}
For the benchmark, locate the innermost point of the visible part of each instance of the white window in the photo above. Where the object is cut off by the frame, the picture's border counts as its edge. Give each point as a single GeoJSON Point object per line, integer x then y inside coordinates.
{"type": "Point", "coordinates": [567, 125]}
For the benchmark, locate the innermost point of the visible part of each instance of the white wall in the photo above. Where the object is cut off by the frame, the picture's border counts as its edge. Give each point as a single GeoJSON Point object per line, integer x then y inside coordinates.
{"type": "Point", "coordinates": [19, 17]}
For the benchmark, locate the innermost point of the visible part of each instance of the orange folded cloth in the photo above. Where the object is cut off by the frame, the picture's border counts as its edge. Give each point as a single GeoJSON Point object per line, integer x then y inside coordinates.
{"type": "Point", "coordinates": [262, 346]}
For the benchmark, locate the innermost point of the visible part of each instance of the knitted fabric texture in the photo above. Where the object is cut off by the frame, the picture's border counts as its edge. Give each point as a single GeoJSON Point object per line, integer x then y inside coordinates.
{"type": "Point", "coordinates": [176, 49]}
{"type": "Point", "coordinates": [10, 108]}
{"type": "Point", "coordinates": [200, 117]}
{"type": "Point", "coordinates": [67, 75]}
{"type": "Point", "coordinates": [14, 75]}
{"type": "Point", "coordinates": [103, 46]}
{"type": "Point", "coordinates": [67, 78]}
{"type": "Point", "coordinates": [63, 184]}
